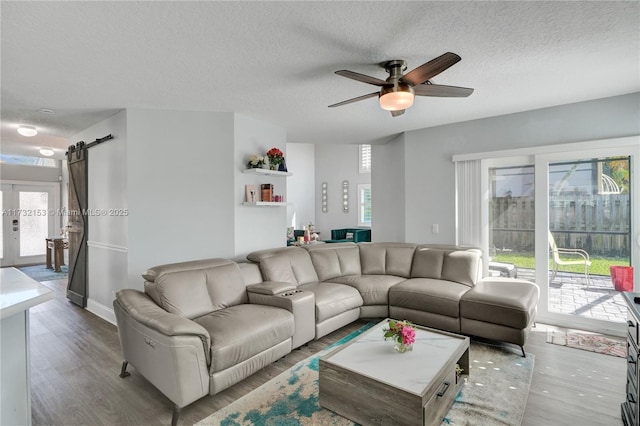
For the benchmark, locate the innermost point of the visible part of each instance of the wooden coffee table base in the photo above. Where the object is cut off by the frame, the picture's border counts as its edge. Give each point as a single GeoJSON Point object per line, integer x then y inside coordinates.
{"type": "Point", "coordinates": [369, 400]}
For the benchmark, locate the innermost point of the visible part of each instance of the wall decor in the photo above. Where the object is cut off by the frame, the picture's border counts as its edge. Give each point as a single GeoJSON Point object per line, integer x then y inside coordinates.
{"type": "Point", "coordinates": [325, 205]}
{"type": "Point", "coordinates": [251, 193]}
{"type": "Point", "coordinates": [345, 196]}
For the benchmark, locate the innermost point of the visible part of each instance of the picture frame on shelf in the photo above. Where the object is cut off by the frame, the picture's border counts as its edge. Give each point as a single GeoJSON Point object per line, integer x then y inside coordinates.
{"type": "Point", "coordinates": [252, 193]}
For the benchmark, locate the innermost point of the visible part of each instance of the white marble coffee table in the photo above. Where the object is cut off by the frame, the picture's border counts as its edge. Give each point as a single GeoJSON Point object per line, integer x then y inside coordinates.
{"type": "Point", "coordinates": [368, 382]}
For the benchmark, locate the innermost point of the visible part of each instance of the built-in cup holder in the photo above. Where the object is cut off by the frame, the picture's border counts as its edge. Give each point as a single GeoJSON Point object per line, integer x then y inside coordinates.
{"type": "Point", "coordinates": [291, 293]}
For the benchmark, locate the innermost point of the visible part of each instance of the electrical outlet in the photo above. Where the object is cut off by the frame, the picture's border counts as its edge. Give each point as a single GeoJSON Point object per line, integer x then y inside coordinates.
{"type": "Point", "coordinates": [435, 228]}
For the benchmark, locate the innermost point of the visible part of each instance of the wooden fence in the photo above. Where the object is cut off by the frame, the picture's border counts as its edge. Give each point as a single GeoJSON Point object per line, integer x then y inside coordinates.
{"type": "Point", "coordinates": [599, 224]}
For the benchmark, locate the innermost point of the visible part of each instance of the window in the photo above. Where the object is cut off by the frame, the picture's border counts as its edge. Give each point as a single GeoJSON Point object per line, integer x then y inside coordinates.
{"type": "Point", "coordinates": [28, 161]}
{"type": "Point", "coordinates": [364, 205]}
{"type": "Point", "coordinates": [365, 159]}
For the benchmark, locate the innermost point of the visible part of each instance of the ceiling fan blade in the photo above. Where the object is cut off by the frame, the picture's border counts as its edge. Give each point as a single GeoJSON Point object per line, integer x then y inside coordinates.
{"type": "Point", "coordinates": [363, 78]}
{"type": "Point", "coordinates": [397, 113]}
{"type": "Point", "coordinates": [359, 98]}
{"type": "Point", "coordinates": [429, 70]}
{"type": "Point", "coordinates": [442, 91]}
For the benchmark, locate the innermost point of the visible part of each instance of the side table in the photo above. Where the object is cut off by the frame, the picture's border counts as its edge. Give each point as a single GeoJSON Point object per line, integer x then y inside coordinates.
{"type": "Point", "coordinates": [57, 245]}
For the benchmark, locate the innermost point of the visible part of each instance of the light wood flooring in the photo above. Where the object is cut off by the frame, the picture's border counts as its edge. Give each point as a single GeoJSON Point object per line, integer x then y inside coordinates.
{"type": "Point", "coordinates": [76, 359]}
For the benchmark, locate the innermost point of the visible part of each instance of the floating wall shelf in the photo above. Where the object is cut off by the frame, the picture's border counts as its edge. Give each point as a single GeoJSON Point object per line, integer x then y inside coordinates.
{"type": "Point", "coordinates": [266, 203]}
{"type": "Point", "coordinates": [266, 172]}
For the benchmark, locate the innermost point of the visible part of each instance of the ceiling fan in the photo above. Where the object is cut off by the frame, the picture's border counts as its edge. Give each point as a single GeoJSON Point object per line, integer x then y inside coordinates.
{"type": "Point", "coordinates": [398, 91]}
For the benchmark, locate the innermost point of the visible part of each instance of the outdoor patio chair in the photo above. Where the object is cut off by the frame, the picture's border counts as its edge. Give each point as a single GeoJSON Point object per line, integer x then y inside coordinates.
{"type": "Point", "coordinates": [579, 257]}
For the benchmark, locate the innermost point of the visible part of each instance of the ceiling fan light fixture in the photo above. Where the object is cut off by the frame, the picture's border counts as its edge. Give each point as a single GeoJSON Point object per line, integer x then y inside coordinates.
{"type": "Point", "coordinates": [47, 152]}
{"type": "Point", "coordinates": [27, 131]}
{"type": "Point", "coordinates": [396, 98]}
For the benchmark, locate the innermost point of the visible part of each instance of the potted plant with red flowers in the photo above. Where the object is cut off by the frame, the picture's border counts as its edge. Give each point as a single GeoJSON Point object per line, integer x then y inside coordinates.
{"type": "Point", "coordinates": [276, 157]}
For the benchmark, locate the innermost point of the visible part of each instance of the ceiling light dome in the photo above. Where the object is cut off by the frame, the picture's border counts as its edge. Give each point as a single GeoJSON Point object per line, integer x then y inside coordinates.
{"type": "Point", "coordinates": [47, 152]}
{"type": "Point", "coordinates": [27, 131]}
{"type": "Point", "coordinates": [396, 98]}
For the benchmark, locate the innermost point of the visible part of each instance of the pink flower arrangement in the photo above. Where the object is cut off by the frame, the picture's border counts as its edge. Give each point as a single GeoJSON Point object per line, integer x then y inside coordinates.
{"type": "Point", "coordinates": [403, 332]}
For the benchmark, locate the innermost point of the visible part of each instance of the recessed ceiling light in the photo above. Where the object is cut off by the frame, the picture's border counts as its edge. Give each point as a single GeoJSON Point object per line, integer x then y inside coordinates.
{"type": "Point", "coordinates": [27, 131]}
{"type": "Point", "coordinates": [47, 152]}
{"type": "Point", "coordinates": [46, 111]}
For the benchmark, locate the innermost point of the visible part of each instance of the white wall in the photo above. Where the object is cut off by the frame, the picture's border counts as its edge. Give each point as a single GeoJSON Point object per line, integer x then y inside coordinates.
{"type": "Point", "coordinates": [179, 176]}
{"type": "Point", "coordinates": [389, 191]}
{"type": "Point", "coordinates": [257, 228]}
{"type": "Point", "coordinates": [301, 187]}
{"type": "Point", "coordinates": [180, 188]}
{"type": "Point", "coordinates": [107, 240]}
{"type": "Point", "coordinates": [429, 170]}
{"type": "Point", "coordinates": [334, 164]}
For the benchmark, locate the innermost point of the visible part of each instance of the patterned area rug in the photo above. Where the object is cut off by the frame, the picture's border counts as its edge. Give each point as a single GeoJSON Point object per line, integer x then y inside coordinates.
{"type": "Point", "coordinates": [586, 341]}
{"type": "Point", "coordinates": [495, 394]}
{"type": "Point", "coordinates": [41, 273]}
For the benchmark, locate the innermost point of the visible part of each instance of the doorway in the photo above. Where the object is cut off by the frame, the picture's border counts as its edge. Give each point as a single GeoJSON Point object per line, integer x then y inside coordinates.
{"type": "Point", "coordinates": [28, 217]}
{"type": "Point", "coordinates": [561, 219]}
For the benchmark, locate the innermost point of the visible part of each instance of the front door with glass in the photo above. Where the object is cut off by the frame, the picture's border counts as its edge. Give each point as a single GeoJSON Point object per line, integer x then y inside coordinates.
{"type": "Point", "coordinates": [28, 218]}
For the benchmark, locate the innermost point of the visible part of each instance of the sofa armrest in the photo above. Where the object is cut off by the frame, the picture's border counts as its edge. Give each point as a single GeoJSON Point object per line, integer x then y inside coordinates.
{"type": "Point", "coordinates": [144, 310]}
{"type": "Point", "coordinates": [171, 352]}
{"type": "Point", "coordinates": [270, 287]}
{"type": "Point", "coordinates": [361, 235]}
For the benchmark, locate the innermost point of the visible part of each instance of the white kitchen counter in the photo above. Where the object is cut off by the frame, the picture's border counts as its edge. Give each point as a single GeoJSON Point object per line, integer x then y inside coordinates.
{"type": "Point", "coordinates": [18, 293]}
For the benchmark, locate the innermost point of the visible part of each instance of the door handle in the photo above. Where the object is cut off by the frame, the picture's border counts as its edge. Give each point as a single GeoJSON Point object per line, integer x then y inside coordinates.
{"type": "Point", "coordinates": [15, 224]}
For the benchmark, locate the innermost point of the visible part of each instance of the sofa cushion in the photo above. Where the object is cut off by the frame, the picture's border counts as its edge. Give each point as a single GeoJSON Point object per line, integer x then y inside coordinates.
{"type": "Point", "coordinates": [292, 266]}
{"type": "Point", "coordinates": [461, 265]}
{"type": "Point", "coordinates": [242, 331]}
{"type": "Point", "coordinates": [386, 258]}
{"type": "Point", "coordinates": [193, 289]}
{"type": "Point", "coordinates": [333, 299]}
{"type": "Point", "coordinates": [427, 263]}
{"type": "Point", "coordinates": [374, 289]}
{"type": "Point", "coordinates": [335, 260]}
{"type": "Point", "coordinates": [429, 295]}
{"type": "Point", "coordinates": [504, 301]}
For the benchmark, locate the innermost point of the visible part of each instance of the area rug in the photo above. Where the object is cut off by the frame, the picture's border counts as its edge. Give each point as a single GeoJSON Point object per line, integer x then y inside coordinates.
{"type": "Point", "coordinates": [586, 341]}
{"type": "Point", "coordinates": [41, 273]}
{"type": "Point", "coordinates": [495, 394]}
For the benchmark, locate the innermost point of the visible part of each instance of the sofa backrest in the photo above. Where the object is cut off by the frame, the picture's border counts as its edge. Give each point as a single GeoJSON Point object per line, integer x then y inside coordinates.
{"type": "Point", "coordinates": [287, 264]}
{"type": "Point", "coordinates": [386, 258]}
{"type": "Point", "coordinates": [334, 260]}
{"type": "Point", "coordinates": [196, 288]}
{"type": "Point", "coordinates": [459, 264]}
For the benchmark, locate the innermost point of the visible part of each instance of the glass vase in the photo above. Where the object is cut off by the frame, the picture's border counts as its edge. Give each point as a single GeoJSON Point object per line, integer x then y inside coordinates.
{"type": "Point", "coordinates": [402, 348]}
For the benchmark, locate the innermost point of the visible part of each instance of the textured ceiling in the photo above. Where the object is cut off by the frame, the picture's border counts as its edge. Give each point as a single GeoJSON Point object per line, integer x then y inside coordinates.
{"type": "Point", "coordinates": [275, 61]}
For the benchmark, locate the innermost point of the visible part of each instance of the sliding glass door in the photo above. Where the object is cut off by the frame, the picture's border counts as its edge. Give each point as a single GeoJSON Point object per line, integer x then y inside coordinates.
{"type": "Point", "coordinates": [589, 215]}
{"type": "Point", "coordinates": [584, 230]}
{"type": "Point", "coordinates": [567, 218]}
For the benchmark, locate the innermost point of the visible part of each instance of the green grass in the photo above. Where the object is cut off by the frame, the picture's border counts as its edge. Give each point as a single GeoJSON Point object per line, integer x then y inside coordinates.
{"type": "Point", "coordinates": [599, 265]}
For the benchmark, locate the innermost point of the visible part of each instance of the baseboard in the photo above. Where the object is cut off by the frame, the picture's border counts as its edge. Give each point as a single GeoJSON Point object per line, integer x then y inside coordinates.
{"type": "Point", "coordinates": [101, 311]}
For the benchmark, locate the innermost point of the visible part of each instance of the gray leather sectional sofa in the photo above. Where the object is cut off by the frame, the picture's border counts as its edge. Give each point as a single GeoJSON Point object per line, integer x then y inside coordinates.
{"type": "Point", "coordinates": [202, 326]}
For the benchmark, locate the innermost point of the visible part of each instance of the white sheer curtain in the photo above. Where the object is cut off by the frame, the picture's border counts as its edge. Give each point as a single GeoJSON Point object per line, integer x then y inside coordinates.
{"type": "Point", "coordinates": [469, 203]}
